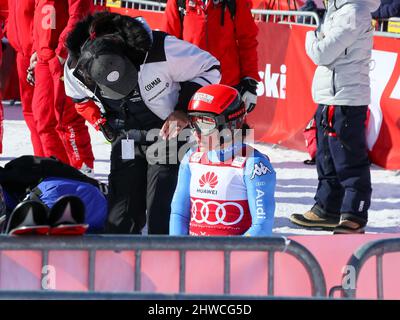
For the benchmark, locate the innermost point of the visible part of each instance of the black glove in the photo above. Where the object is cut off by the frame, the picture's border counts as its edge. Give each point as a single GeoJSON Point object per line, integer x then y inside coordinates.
{"type": "Point", "coordinates": [248, 90]}
{"type": "Point", "coordinates": [109, 132]}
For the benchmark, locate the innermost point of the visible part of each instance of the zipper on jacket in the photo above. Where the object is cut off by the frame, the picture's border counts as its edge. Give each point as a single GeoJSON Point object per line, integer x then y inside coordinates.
{"type": "Point", "coordinates": [333, 82]}
{"type": "Point", "coordinates": [345, 52]}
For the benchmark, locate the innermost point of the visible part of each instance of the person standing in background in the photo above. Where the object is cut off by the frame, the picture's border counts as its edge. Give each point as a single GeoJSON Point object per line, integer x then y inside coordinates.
{"type": "Point", "coordinates": [61, 129]}
{"type": "Point", "coordinates": [341, 48]}
{"type": "Point", "coordinates": [227, 30]}
{"type": "Point", "coordinates": [19, 34]}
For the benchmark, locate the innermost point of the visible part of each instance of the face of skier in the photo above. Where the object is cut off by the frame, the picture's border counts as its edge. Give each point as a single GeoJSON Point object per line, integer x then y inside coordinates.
{"type": "Point", "coordinates": [203, 125]}
{"type": "Point", "coordinates": [211, 136]}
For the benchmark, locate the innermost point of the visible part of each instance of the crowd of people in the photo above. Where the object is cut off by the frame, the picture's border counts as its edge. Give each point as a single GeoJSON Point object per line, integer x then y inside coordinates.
{"type": "Point", "coordinates": [191, 85]}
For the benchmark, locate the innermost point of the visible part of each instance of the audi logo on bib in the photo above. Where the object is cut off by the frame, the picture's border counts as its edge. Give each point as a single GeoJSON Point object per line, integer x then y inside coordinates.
{"type": "Point", "coordinates": [211, 217]}
{"type": "Point", "coordinates": [201, 212]}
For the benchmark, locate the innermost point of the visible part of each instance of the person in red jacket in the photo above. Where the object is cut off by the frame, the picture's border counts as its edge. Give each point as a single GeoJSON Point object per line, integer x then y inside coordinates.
{"type": "Point", "coordinates": [227, 30]}
{"type": "Point", "coordinates": [19, 34]}
{"type": "Point", "coordinates": [62, 130]}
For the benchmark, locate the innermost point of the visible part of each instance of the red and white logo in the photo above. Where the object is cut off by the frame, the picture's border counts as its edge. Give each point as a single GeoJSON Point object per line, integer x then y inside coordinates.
{"type": "Point", "coordinates": [213, 213]}
{"type": "Point", "coordinates": [210, 179]}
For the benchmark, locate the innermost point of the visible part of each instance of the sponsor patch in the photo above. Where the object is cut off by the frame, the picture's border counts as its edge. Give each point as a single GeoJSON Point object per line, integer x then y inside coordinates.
{"type": "Point", "coordinates": [261, 214]}
{"type": "Point", "coordinates": [210, 179]}
{"type": "Point", "coordinates": [260, 170]}
{"type": "Point", "coordinates": [152, 84]}
{"type": "Point", "coordinates": [239, 162]}
{"type": "Point", "coordinates": [203, 97]}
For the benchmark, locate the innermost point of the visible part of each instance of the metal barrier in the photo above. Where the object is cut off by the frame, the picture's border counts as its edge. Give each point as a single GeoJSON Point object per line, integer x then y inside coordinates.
{"type": "Point", "coordinates": [374, 248]}
{"type": "Point", "coordinates": [296, 17]}
{"type": "Point", "coordinates": [167, 243]}
{"type": "Point", "coordinates": [287, 17]}
{"type": "Point", "coordinates": [74, 295]}
{"type": "Point", "coordinates": [276, 16]}
{"type": "Point", "coordinates": [137, 4]}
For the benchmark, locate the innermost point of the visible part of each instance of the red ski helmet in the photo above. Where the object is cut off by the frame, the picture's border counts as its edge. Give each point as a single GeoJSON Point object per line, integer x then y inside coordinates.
{"type": "Point", "coordinates": [216, 106]}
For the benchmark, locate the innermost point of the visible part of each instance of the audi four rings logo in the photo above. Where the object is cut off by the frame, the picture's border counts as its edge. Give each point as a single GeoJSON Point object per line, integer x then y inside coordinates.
{"type": "Point", "coordinates": [201, 212]}
{"type": "Point", "coordinates": [209, 178]}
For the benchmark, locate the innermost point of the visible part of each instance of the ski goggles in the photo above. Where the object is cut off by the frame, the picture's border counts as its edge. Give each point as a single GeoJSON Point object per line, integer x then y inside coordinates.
{"type": "Point", "coordinates": [204, 125]}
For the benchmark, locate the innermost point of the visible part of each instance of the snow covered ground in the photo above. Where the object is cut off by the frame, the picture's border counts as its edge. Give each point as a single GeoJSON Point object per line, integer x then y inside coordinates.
{"type": "Point", "coordinates": [296, 182]}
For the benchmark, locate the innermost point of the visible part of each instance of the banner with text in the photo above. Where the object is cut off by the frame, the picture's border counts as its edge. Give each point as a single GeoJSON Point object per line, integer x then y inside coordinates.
{"type": "Point", "coordinates": [285, 104]}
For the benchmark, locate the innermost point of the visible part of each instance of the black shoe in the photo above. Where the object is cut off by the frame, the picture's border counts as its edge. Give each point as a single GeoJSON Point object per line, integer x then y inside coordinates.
{"type": "Point", "coordinates": [310, 162]}
{"type": "Point", "coordinates": [316, 218]}
{"type": "Point", "coordinates": [350, 224]}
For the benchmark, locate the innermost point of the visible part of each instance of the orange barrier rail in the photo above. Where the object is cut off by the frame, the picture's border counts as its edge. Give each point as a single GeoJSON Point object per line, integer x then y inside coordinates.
{"type": "Point", "coordinates": [211, 265]}
{"type": "Point", "coordinates": [376, 249]}
{"type": "Point", "coordinates": [129, 266]}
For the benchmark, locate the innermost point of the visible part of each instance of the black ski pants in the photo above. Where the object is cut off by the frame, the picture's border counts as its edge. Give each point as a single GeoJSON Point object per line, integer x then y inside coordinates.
{"type": "Point", "coordinates": [343, 166]}
{"type": "Point", "coordinates": [137, 187]}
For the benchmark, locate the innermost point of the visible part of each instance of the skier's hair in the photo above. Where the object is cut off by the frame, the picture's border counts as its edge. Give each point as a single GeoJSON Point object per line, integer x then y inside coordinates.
{"type": "Point", "coordinates": [130, 34]}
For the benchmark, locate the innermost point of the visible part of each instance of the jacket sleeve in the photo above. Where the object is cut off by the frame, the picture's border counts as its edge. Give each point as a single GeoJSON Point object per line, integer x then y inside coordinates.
{"type": "Point", "coordinates": [172, 20]}
{"type": "Point", "coordinates": [73, 89]}
{"type": "Point", "coordinates": [388, 10]}
{"type": "Point", "coordinates": [246, 36]}
{"type": "Point", "coordinates": [180, 205]}
{"type": "Point", "coordinates": [91, 113]}
{"type": "Point", "coordinates": [197, 68]}
{"type": "Point", "coordinates": [324, 49]}
{"type": "Point", "coordinates": [77, 9]}
{"type": "Point", "coordinates": [260, 180]}
{"type": "Point", "coordinates": [84, 105]}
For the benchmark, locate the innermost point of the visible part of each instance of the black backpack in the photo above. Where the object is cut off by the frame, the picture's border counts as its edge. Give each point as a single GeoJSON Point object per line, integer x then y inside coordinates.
{"type": "Point", "coordinates": [231, 4]}
{"type": "Point", "coordinates": [27, 172]}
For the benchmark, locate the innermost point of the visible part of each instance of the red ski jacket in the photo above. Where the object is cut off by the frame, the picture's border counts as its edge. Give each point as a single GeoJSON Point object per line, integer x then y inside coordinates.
{"type": "Point", "coordinates": [3, 19]}
{"type": "Point", "coordinates": [54, 19]}
{"type": "Point", "coordinates": [234, 43]}
{"type": "Point", "coordinates": [20, 25]}
{"type": "Point", "coordinates": [3, 10]}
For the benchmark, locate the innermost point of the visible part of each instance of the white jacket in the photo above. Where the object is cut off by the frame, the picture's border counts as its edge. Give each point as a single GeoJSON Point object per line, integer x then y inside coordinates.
{"type": "Point", "coordinates": [170, 62]}
{"type": "Point", "coordinates": [342, 50]}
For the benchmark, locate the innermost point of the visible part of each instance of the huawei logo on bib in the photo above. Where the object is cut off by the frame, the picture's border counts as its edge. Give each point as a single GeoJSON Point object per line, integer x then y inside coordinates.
{"type": "Point", "coordinates": [209, 178]}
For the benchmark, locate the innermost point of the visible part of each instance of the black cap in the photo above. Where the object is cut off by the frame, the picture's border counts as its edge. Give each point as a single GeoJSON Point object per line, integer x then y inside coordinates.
{"type": "Point", "coordinates": [115, 74]}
